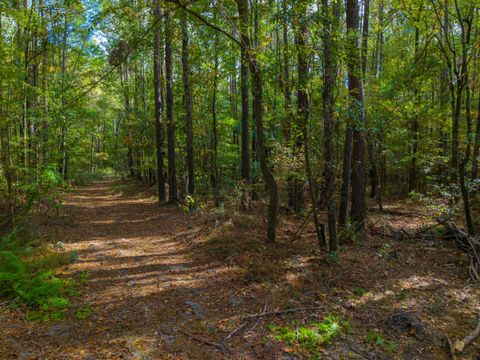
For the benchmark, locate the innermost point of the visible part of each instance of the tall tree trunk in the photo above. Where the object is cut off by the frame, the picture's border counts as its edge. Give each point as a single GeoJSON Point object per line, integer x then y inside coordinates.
{"type": "Point", "coordinates": [45, 129]}
{"type": "Point", "coordinates": [268, 177]}
{"type": "Point", "coordinates": [466, 27]}
{"type": "Point", "coordinates": [330, 27]}
{"type": "Point", "coordinates": [157, 64]}
{"type": "Point", "coordinates": [63, 135]}
{"type": "Point", "coordinates": [244, 61]}
{"type": "Point", "coordinates": [476, 146]}
{"type": "Point", "coordinates": [172, 176]}
{"type": "Point", "coordinates": [303, 115]}
{"type": "Point", "coordinates": [187, 88]}
{"type": "Point", "coordinates": [357, 114]}
{"type": "Point", "coordinates": [296, 193]}
{"type": "Point", "coordinates": [412, 181]}
{"type": "Point", "coordinates": [5, 158]}
{"type": "Point", "coordinates": [214, 139]}
{"type": "Point", "coordinates": [286, 76]}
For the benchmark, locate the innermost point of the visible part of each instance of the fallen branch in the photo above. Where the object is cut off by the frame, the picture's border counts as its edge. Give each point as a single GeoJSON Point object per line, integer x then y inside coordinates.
{"type": "Point", "coordinates": [235, 331]}
{"type": "Point", "coordinates": [259, 319]}
{"type": "Point", "coordinates": [468, 244]}
{"type": "Point", "coordinates": [299, 231]}
{"type": "Point", "coordinates": [280, 312]}
{"type": "Point", "coordinates": [450, 348]}
{"type": "Point", "coordinates": [204, 341]}
{"type": "Point", "coordinates": [460, 345]}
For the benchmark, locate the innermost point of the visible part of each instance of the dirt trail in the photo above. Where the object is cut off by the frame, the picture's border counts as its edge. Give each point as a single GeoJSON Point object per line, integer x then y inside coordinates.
{"type": "Point", "coordinates": [157, 287]}
{"type": "Point", "coordinates": [138, 281]}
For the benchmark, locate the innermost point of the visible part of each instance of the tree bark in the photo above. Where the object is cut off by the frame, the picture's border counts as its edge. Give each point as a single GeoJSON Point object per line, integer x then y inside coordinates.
{"type": "Point", "coordinates": [303, 115]}
{"type": "Point", "coordinates": [157, 84]}
{"type": "Point", "coordinates": [268, 177]}
{"type": "Point", "coordinates": [63, 136]}
{"type": "Point", "coordinates": [330, 27]}
{"type": "Point", "coordinates": [412, 181]}
{"type": "Point", "coordinates": [244, 64]}
{"type": "Point", "coordinates": [214, 139]}
{"type": "Point", "coordinates": [357, 114]}
{"type": "Point", "coordinates": [187, 88]}
{"type": "Point", "coordinates": [172, 176]}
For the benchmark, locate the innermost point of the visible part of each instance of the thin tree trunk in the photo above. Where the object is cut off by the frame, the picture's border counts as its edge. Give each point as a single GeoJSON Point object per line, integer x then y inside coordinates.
{"type": "Point", "coordinates": [296, 194]}
{"type": "Point", "coordinates": [63, 136]}
{"type": "Point", "coordinates": [465, 25]}
{"type": "Point", "coordinates": [157, 64]}
{"type": "Point", "coordinates": [286, 76]}
{"type": "Point", "coordinates": [412, 182]}
{"type": "Point", "coordinates": [172, 176]}
{"type": "Point", "coordinates": [214, 139]}
{"type": "Point", "coordinates": [268, 177]}
{"type": "Point", "coordinates": [244, 61]}
{"type": "Point", "coordinates": [187, 88]}
{"type": "Point", "coordinates": [330, 27]}
{"type": "Point", "coordinates": [476, 146]}
{"type": "Point", "coordinates": [303, 115]}
{"type": "Point", "coordinates": [357, 114]}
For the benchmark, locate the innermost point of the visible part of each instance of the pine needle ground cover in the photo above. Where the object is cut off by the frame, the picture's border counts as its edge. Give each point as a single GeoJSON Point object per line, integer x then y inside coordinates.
{"type": "Point", "coordinates": [157, 280]}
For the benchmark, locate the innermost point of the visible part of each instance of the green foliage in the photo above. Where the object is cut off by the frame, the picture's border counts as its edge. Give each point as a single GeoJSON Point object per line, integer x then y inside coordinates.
{"type": "Point", "coordinates": [84, 312]}
{"type": "Point", "coordinates": [31, 280]}
{"type": "Point", "coordinates": [191, 203]}
{"type": "Point", "coordinates": [45, 191]}
{"type": "Point", "coordinates": [84, 278]}
{"type": "Point", "coordinates": [333, 257]}
{"type": "Point", "coordinates": [313, 335]}
{"type": "Point", "coordinates": [377, 339]}
{"type": "Point", "coordinates": [358, 291]}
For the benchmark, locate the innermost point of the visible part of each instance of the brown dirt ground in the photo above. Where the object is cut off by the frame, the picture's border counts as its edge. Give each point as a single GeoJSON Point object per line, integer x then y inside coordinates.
{"type": "Point", "coordinates": [145, 261]}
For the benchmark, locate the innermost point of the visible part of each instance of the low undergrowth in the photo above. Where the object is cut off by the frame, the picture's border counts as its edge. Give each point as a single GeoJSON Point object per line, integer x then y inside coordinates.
{"type": "Point", "coordinates": [27, 276]}
{"type": "Point", "coordinates": [313, 335]}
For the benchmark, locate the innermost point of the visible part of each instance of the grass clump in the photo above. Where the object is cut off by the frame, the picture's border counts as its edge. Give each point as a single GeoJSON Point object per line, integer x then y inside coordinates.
{"type": "Point", "coordinates": [313, 335]}
{"type": "Point", "coordinates": [84, 312]}
{"type": "Point", "coordinates": [27, 275]}
{"type": "Point", "coordinates": [377, 339]}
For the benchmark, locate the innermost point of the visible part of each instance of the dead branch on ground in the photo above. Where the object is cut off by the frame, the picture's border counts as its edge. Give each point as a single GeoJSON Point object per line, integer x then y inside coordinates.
{"type": "Point", "coordinates": [460, 345]}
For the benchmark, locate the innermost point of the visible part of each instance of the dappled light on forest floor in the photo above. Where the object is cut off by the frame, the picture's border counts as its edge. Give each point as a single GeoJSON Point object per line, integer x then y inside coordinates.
{"type": "Point", "coordinates": [161, 283]}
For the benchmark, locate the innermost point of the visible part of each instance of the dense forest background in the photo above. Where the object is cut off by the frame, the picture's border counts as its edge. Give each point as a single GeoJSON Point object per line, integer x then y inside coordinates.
{"type": "Point", "coordinates": [223, 100]}
{"type": "Point", "coordinates": [319, 111]}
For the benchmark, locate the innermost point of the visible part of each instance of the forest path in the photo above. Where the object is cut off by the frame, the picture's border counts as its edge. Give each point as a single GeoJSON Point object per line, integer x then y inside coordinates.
{"type": "Point", "coordinates": [156, 283]}
{"type": "Point", "coordinates": [140, 281]}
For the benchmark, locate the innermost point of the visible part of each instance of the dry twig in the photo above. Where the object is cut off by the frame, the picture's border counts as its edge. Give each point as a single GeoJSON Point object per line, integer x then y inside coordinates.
{"type": "Point", "coordinates": [450, 348]}
{"type": "Point", "coordinates": [280, 312]}
{"type": "Point", "coordinates": [460, 345]}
